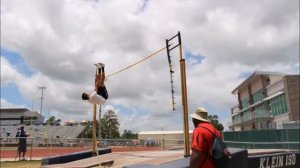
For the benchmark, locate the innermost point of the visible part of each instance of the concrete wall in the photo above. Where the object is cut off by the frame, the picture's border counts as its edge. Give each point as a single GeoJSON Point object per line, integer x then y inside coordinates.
{"type": "Point", "coordinates": [291, 87]}
{"type": "Point", "coordinates": [275, 87]}
{"type": "Point", "coordinates": [244, 93]}
{"type": "Point", "coordinates": [283, 118]}
{"type": "Point", "coordinates": [274, 79]}
{"type": "Point", "coordinates": [247, 127]}
{"type": "Point", "coordinates": [256, 85]}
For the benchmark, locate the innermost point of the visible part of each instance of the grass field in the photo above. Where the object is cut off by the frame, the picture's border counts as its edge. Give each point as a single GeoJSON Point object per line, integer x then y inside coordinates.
{"type": "Point", "coordinates": [21, 164]}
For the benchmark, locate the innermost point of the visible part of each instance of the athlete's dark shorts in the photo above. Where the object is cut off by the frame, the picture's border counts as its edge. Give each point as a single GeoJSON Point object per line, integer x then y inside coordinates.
{"type": "Point", "coordinates": [101, 90]}
{"type": "Point", "coordinates": [22, 147]}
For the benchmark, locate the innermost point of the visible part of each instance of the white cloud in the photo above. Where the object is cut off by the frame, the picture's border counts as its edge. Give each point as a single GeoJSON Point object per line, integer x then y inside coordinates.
{"type": "Point", "coordinates": [5, 103]}
{"type": "Point", "coordinates": [9, 73]}
{"type": "Point", "coordinates": [62, 40]}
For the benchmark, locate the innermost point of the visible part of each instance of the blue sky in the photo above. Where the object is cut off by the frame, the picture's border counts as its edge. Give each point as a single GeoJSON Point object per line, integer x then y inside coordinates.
{"type": "Point", "coordinates": [10, 92]}
{"type": "Point", "coordinates": [17, 60]}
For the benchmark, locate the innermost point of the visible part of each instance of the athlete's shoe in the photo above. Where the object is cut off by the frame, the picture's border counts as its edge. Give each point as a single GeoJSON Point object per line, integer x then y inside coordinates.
{"type": "Point", "coordinates": [99, 65]}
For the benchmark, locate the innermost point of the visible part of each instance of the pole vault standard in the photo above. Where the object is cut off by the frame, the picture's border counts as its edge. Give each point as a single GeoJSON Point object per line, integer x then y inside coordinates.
{"type": "Point", "coordinates": [183, 90]}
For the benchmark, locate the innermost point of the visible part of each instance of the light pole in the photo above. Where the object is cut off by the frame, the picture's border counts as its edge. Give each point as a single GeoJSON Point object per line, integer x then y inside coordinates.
{"type": "Point", "coordinates": [42, 97]}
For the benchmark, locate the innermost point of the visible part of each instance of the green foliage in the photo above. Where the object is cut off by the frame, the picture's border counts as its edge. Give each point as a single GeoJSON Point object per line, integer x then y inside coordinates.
{"type": "Point", "coordinates": [88, 131]}
{"type": "Point", "coordinates": [214, 120]}
{"type": "Point", "coordinates": [110, 125]}
{"type": "Point", "coordinates": [53, 121]}
{"type": "Point", "coordinates": [128, 134]}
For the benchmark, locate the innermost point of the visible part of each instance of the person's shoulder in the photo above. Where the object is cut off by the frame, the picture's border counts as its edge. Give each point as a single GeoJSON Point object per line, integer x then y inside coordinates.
{"type": "Point", "coordinates": [205, 124]}
{"type": "Point", "coordinates": [206, 127]}
{"type": "Point", "coordinates": [199, 128]}
{"type": "Point", "coordinates": [94, 93]}
{"type": "Point", "coordinates": [23, 133]}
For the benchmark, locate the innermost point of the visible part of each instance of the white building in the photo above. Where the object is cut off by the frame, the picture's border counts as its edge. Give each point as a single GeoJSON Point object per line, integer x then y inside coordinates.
{"type": "Point", "coordinates": [17, 116]}
{"type": "Point", "coordinates": [266, 100]}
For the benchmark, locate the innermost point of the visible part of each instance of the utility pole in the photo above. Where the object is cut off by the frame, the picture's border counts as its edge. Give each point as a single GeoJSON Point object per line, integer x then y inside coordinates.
{"type": "Point", "coordinates": [42, 97]}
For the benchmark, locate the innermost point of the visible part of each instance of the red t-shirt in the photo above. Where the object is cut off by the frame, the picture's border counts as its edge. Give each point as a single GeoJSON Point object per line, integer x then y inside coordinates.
{"type": "Point", "coordinates": [202, 141]}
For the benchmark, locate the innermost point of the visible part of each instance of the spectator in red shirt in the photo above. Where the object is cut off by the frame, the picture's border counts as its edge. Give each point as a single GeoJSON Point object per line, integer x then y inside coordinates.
{"type": "Point", "coordinates": [202, 140]}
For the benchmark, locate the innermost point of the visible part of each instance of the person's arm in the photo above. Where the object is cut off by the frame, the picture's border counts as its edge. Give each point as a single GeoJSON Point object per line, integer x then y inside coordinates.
{"type": "Point", "coordinates": [196, 159]}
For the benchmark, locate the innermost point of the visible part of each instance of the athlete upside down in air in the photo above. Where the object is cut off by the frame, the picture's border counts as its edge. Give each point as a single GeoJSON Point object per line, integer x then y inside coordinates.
{"type": "Point", "coordinates": [100, 95]}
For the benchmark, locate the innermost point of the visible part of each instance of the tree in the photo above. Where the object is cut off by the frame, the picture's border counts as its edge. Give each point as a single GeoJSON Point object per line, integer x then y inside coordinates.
{"type": "Point", "coordinates": [53, 121]}
{"type": "Point", "coordinates": [50, 120]}
{"type": "Point", "coordinates": [128, 134]}
{"type": "Point", "coordinates": [88, 131]}
{"type": "Point", "coordinates": [110, 125]}
{"type": "Point", "coordinates": [57, 122]}
{"type": "Point", "coordinates": [214, 120]}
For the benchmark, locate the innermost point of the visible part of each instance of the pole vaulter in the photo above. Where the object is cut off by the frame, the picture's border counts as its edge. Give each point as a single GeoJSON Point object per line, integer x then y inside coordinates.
{"type": "Point", "coordinates": [98, 96]}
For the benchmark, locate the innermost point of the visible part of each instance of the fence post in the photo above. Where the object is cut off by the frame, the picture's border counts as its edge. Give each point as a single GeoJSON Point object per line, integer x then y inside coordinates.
{"type": "Point", "coordinates": [51, 146]}
{"type": "Point", "coordinates": [130, 143]}
{"type": "Point", "coordinates": [32, 139]}
{"type": "Point", "coordinates": [287, 138]}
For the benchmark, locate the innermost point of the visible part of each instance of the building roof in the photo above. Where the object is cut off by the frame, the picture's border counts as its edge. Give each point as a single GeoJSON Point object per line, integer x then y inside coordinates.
{"type": "Point", "coordinates": [254, 76]}
{"type": "Point", "coordinates": [14, 108]}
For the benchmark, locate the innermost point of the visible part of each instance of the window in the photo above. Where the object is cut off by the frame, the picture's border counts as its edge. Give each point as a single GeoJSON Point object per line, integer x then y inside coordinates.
{"type": "Point", "coordinates": [258, 96]}
{"type": "Point", "coordinates": [245, 102]}
{"type": "Point", "coordinates": [260, 111]}
{"type": "Point", "coordinates": [236, 119]}
{"type": "Point", "coordinates": [278, 105]}
{"type": "Point", "coordinates": [247, 115]}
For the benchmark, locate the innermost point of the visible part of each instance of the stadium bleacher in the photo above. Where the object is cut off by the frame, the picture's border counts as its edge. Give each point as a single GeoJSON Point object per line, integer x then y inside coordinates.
{"type": "Point", "coordinates": [43, 133]}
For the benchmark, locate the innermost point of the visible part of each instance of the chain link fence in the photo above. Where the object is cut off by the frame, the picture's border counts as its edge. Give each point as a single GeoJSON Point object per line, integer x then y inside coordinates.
{"type": "Point", "coordinates": [47, 147]}
{"type": "Point", "coordinates": [264, 139]}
